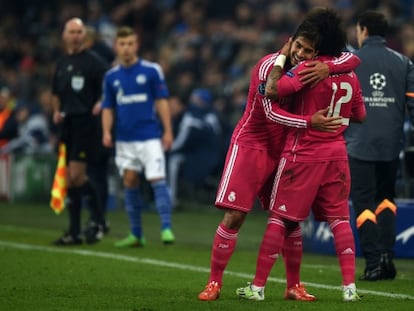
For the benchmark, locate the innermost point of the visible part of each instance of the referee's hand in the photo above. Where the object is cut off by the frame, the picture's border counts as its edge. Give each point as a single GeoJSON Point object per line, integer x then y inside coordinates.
{"type": "Point", "coordinates": [58, 117]}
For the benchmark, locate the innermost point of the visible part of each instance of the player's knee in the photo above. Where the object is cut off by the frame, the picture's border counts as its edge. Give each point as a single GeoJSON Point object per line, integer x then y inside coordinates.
{"type": "Point", "coordinates": [233, 219]}
{"type": "Point", "coordinates": [130, 179]}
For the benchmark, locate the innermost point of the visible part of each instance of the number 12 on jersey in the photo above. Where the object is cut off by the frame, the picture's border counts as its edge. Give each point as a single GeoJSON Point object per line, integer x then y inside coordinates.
{"type": "Point", "coordinates": [335, 106]}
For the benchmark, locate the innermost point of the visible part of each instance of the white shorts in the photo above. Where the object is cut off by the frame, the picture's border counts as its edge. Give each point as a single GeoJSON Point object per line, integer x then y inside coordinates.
{"type": "Point", "coordinates": [146, 156]}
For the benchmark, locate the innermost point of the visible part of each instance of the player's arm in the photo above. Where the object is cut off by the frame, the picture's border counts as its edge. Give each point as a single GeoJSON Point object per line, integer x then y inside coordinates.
{"type": "Point", "coordinates": [318, 120]}
{"type": "Point", "coordinates": [162, 106]}
{"type": "Point", "coordinates": [271, 90]}
{"type": "Point", "coordinates": [282, 85]}
{"type": "Point", "coordinates": [316, 71]}
{"type": "Point", "coordinates": [163, 109]}
{"type": "Point", "coordinates": [107, 118]}
{"type": "Point", "coordinates": [276, 86]}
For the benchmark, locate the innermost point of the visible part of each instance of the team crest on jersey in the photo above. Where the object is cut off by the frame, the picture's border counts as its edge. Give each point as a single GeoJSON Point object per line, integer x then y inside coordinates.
{"type": "Point", "coordinates": [141, 79]}
{"type": "Point", "coordinates": [77, 83]}
{"type": "Point", "coordinates": [232, 196]}
{"type": "Point", "coordinates": [261, 88]}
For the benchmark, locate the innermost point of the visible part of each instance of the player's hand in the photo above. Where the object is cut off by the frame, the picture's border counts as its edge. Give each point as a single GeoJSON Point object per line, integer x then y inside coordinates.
{"type": "Point", "coordinates": [57, 117]}
{"type": "Point", "coordinates": [286, 47]}
{"type": "Point", "coordinates": [107, 140]}
{"type": "Point", "coordinates": [320, 122]}
{"type": "Point", "coordinates": [167, 140]}
{"type": "Point", "coordinates": [316, 72]}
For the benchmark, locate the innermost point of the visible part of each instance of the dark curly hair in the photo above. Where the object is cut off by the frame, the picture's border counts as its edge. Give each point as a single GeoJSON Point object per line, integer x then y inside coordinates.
{"type": "Point", "coordinates": [323, 27]}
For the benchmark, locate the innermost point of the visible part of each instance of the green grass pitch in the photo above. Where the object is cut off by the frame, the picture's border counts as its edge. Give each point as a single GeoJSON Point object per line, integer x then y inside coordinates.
{"type": "Point", "coordinates": [35, 275]}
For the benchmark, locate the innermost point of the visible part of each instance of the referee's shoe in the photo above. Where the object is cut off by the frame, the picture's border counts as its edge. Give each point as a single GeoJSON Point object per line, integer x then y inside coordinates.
{"type": "Point", "coordinates": [93, 233]}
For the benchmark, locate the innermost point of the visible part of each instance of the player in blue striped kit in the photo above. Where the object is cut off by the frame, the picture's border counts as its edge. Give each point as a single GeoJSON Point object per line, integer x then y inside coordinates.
{"type": "Point", "coordinates": [135, 104]}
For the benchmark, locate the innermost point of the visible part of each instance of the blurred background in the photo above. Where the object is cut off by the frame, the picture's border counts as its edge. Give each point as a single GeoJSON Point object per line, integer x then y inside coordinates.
{"type": "Point", "coordinates": [208, 44]}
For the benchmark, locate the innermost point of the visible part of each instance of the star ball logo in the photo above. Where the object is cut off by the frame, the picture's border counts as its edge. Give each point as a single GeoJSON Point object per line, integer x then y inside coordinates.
{"type": "Point", "coordinates": [377, 81]}
{"type": "Point", "coordinates": [378, 98]}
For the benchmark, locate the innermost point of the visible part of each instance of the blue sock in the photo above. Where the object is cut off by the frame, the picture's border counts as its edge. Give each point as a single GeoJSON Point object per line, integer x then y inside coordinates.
{"type": "Point", "coordinates": [133, 206]}
{"type": "Point", "coordinates": [162, 199]}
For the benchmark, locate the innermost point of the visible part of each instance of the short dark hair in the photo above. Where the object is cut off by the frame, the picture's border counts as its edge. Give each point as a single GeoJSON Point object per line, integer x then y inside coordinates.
{"type": "Point", "coordinates": [325, 28]}
{"type": "Point", "coordinates": [375, 22]}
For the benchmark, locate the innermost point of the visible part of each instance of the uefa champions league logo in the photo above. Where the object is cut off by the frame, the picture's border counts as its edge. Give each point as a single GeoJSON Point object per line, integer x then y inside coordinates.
{"type": "Point", "coordinates": [377, 81]}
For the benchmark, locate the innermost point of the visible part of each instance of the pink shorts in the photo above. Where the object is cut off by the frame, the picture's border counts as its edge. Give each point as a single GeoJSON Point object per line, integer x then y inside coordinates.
{"type": "Point", "coordinates": [321, 186]}
{"type": "Point", "coordinates": [248, 174]}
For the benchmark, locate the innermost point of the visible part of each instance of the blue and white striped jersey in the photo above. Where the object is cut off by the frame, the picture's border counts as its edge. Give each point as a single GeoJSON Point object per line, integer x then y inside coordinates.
{"type": "Point", "coordinates": [132, 92]}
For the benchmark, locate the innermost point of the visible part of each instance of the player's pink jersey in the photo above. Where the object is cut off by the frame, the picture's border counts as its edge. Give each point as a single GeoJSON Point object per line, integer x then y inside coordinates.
{"type": "Point", "coordinates": [261, 126]}
{"type": "Point", "coordinates": [341, 93]}
{"type": "Point", "coordinates": [264, 122]}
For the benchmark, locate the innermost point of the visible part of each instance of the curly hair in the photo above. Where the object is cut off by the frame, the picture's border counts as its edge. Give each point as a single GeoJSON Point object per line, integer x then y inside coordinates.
{"type": "Point", "coordinates": [324, 27]}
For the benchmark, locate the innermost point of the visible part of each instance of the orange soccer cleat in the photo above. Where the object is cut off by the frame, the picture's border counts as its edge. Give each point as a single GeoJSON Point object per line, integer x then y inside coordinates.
{"type": "Point", "coordinates": [298, 292]}
{"type": "Point", "coordinates": [211, 292]}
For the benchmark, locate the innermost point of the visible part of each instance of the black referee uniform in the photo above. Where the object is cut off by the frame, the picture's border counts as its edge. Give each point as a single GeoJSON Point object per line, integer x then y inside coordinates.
{"type": "Point", "coordinates": [77, 82]}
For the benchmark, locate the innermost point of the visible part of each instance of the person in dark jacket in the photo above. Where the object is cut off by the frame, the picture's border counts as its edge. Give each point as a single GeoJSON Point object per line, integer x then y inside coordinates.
{"type": "Point", "coordinates": [387, 82]}
{"type": "Point", "coordinates": [196, 151]}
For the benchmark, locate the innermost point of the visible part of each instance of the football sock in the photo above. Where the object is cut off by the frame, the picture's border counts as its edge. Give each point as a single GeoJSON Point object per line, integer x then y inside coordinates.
{"type": "Point", "coordinates": [133, 206]}
{"type": "Point", "coordinates": [292, 255]}
{"type": "Point", "coordinates": [74, 208]}
{"type": "Point", "coordinates": [345, 249]}
{"type": "Point", "coordinates": [270, 248]}
{"type": "Point", "coordinates": [223, 247]}
{"type": "Point", "coordinates": [162, 200]}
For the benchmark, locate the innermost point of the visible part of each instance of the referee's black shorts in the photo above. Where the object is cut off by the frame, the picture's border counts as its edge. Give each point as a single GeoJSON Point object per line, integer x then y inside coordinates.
{"type": "Point", "coordinates": [81, 134]}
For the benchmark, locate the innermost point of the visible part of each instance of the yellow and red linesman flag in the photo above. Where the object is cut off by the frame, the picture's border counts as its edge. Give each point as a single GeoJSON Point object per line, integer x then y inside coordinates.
{"type": "Point", "coordinates": [58, 193]}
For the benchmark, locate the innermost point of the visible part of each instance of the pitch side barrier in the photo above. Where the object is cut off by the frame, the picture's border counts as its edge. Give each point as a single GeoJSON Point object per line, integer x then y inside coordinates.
{"type": "Point", "coordinates": [317, 236]}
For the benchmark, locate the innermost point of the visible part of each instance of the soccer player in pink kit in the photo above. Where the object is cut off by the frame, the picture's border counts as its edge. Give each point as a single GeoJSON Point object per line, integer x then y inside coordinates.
{"type": "Point", "coordinates": [252, 159]}
{"type": "Point", "coordinates": [313, 164]}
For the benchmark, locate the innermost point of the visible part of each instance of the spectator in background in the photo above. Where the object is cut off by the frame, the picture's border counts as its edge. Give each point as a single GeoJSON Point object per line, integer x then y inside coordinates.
{"type": "Point", "coordinates": [94, 43]}
{"type": "Point", "coordinates": [8, 122]}
{"type": "Point", "coordinates": [374, 146]}
{"type": "Point", "coordinates": [44, 102]}
{"type": "Point", "coordinates": [77, 88]}
{"type": "Point", "coordinates": [144, 17]}
{"type": "Point", "coordinates": [135, 104]}
{"type": "Point", "coordinates": [196, 151]}
{"type": "Point", "coordinates": [33, 135]}
{"type": "Point", "coordinates": [407, 39]}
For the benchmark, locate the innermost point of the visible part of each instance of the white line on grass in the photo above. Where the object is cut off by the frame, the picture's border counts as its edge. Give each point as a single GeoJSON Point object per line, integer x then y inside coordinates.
{"type": "Point", "coordinates": [161, 263]}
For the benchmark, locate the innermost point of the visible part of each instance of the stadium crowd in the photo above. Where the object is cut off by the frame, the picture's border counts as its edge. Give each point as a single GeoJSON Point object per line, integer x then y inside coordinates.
{"type": "Point", "coordinates": [206, 44]}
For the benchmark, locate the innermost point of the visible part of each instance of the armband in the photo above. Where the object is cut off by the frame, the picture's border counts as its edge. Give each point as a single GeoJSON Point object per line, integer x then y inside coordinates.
{"type": "Point", "coordinates": [280, 60]}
